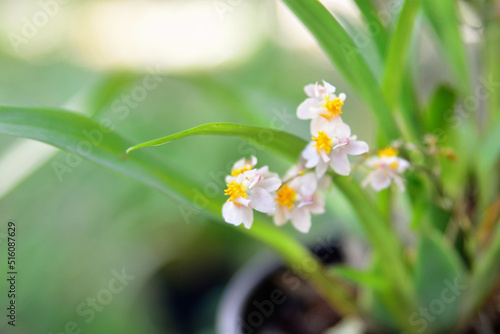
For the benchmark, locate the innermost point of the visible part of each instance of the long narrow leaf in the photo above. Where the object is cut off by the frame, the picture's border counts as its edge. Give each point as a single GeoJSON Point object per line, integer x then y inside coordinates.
{"type": "Point", "coordinates": [395, 65]}
{"type": "Point", "coordinates": [272, 139]}
{"type": "Point", "coordinates": [374, 23]}
{"type": "Point", "coordinates": [82, 136]}
{"type": "Point", "coordinates": [443, 16]}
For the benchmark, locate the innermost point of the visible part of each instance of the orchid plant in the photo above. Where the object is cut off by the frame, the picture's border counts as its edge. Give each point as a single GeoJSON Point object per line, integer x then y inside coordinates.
{"type": "Point", "coordinates": [438, 158]}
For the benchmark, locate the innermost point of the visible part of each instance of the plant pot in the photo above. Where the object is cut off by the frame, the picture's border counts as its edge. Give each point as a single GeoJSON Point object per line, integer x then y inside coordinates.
{"type": "Point", "coordinates": [266, 297]}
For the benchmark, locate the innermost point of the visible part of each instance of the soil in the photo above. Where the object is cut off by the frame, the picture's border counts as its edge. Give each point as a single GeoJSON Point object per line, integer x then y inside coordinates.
{"type": "Point", "coordinates": [283, 303]}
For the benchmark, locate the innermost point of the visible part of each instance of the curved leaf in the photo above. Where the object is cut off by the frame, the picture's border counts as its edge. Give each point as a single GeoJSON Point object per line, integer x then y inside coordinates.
{"type": "Point", "coordinates": [439, 279]}
{"type": "Point", "coordinates": [279, 141]}
{"type": "Point", "coordinates": [80, 135]}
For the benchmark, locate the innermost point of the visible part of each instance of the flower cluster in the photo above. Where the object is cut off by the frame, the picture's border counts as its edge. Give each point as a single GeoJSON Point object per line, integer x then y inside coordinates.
{"type": "Point", "coordinates": [300, 192]}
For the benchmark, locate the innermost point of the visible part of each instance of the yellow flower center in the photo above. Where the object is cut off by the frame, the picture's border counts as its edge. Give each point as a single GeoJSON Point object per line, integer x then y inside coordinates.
{"type": "Point", "coordinates": [235, 190]}
{"type": "Point", "coordinates": [237, 172]}
{"type": "Point", "coordinates": [387, 152]}
{"type": "Point", "coordinates": [394, 165]}
{"type": "Point", "coordinates": [333, 107]}
{"type": "Point", "coordinates": [286, 196]}
{"type": "Point", "coordinates": [323, 142]}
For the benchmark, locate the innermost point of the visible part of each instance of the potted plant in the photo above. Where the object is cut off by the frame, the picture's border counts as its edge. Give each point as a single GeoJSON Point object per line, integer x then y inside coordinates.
{"type": "Point", "coordinates": [433, 167]}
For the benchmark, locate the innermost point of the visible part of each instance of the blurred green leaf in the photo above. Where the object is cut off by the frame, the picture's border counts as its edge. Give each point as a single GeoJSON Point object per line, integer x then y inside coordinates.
{"type": "Point", "coordinates": [395, 65]}
{"type": "Point", "coordinates": [443, 16]}
{"type": "Point", "coordinates": [439, 280]}
{"type": "Point", "coordinates": [82, 136]}
{"type": "Point", "coordinates": [441, 103]}
{"type": "Point", "coordinates": [106, 91]}
{"type": "Point", "coordinates": [492, 69]}
{"type": "Point", "coordinates": [484, 274]}
{"type": "Point", "coordinates": [397, 54]}
{"type": "Point", "coordinates": [374, 23]}
{"type": "Point", "coordinates": [278, 141]}
{"type": "Point", "coordinates": [359, 277]}
{"type": "Point", "coordinates": [344, 53]}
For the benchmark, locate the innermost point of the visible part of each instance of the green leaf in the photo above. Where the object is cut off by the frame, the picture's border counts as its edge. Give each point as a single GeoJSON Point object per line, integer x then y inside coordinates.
{"type": "Point", "coordinates": [82, 136]}
{"type": "Point", "coordinates": [106, 91]}
{"type": "Point", "coordinates": [443, 16]}
{"type": "Point", "coordinates": [484, 274]}
{"type": "Point", "coordinates": [344, 53]}
{"type": "Point", "coordinates": [441, 103]}
{"type": "Point", "coordinates": [275, 140]}
{"type": "Point", "coordinates": [486, 159]}
{"type": "Point", "coordinates": [440, 281]}
{"type": "Point", "coordinates": [398, 51]}
{"type": "Point", "coordinates": [395, 65]}
{"type": "Point", "coordinates": [359, 277]}
{"type": "Point", "coordinates": [374, 23]}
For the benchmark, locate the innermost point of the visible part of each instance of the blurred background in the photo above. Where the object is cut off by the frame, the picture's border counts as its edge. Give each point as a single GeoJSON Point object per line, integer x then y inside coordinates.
{"type": "Point", "coordinates": [150, 68]}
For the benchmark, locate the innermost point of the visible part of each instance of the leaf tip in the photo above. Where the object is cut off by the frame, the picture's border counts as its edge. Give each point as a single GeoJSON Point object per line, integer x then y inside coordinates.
{"type": "Point", "coordinates": [130, 149]}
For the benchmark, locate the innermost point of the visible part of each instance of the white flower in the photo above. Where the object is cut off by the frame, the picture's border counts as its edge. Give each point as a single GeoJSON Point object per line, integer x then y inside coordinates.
{"type": "Point", "coordinates": [322, 106]}
{"type": "Point", "coordinates": [388, 166]}
{"type": "Point", "coordinates": [331, 147]}
{"type": "Point", "coordinates": [250, 190]}
{"type": "Point", "coordinates": [298, 198]}
{"type": "Point", "coordinates": [241, 166]}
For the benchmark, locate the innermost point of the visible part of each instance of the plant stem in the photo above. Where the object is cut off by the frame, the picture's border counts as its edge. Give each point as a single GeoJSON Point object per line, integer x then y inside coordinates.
{"type": "Point", "coordinates": [385, 242]}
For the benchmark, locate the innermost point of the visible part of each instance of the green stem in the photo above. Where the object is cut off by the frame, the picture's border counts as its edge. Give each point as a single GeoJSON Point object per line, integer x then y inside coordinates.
{"type": "Point", "coordinates": [384, 242]}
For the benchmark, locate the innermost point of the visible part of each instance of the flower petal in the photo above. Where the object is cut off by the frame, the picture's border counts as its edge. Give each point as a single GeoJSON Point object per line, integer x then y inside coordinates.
{"type": "Point", "coordinates": [309, 183]}
{"type": "Point", "coordinates": [310, 154]}
{"type": "Point", "coordinates": [318, 206]}
{"type": "Point", "coordinates": [340, 164]}
{"type": "Point", "coordinates": [270, 184]}
{"type": "Point", "coordinates": [310, 90]}
{"type": "Point", "coordinates": [356, 147]}
{"type": "Point", "coordinates": [402, 165]}
{"type": "Point", "coordinates": [301, 219]}
{"type": "Point", "coordinates": [247, 217]}
{"type": "Point", "coordinates": [242, 201]}
{"type": "Point", "coordinates": [304, 109]}
{"type": "Point", "coordinates": [319, 123]}
{"type": "Point", "coordinates": [280, 217]}
{"type": "Point", "coordinates": [262, 200]}
{"type": "Point", "coordinates": [321, 168]}
{"type": "Point", "coordinates": [329, 88]}
{"type": "Point", "coordinates": [341, 129]}
{"type": "Point", "coordinates": [232, 213]}
{"type": "Point", "coordinates": [380, 180]}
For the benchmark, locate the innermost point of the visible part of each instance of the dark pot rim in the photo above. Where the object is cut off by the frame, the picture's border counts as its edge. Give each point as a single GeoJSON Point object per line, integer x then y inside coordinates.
{"type": "Point", "coordinates": [239, 289]}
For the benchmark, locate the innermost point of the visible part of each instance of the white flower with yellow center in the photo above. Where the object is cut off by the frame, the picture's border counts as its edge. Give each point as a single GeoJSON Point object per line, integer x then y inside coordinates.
{"type": "Point", "coordinates": [322, 107]}
{"type": "Point", "coordinates": [331, 147]}
{"type": "Point", "coordinates": [387, 167]}
{"type": "Point", "coordinates": [248, 191]}
{"type": "Point", "coordinates": [298, 198]}
{"type": "Point", "coordinates": [241, 166]}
